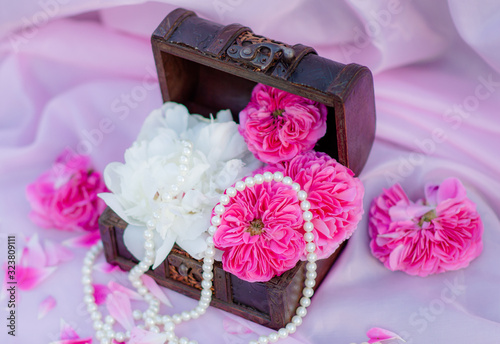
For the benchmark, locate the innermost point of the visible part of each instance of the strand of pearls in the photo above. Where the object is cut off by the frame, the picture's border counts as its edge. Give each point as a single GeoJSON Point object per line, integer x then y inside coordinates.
{"type": "Point", "coordinates": [153, 320]}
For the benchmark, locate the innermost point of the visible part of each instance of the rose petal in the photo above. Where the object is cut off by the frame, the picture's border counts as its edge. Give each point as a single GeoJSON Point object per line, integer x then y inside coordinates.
{"type": "Point", "coordinates": [45, 306]}
{"type": "Point", "coordinates": [377, 334]}
{"type": "Point", "coordinates": [57, 253]}
{"type": "Point", "coordinates": [107, 268]}
{"type": "Point", "coordinates": [119, 307]}
{"type": "Point", "coordinates": [67, 332]}
{"type": "Point", "coordinates": [28, 277]}
{"type": "Point", "coordinates": [150, 283]}
{"type": "Point", "coordinates": [101, 292]}
{"type": "Point", "coordinates": [86, 240]}
{"type": "Point", "coordinates": [33, 254]}
{"type": "Point", "coordinates": [113, 286]}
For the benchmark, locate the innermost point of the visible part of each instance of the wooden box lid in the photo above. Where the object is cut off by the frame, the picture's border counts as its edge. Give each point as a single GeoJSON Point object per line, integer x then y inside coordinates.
{"type": "Point", "coordinates": [209, 67]}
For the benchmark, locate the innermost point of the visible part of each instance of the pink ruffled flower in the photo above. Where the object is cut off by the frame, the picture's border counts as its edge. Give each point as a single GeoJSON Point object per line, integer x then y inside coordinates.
{"type": "Point", "coordinates": [278, 125]}
{"type": "Point", "coordinates": [438, 234]}
{"type": "Point", "coordinates": [260, 232]}
{"type": "Point", "coordinates": [65, 197]}
{"type": "Point", "coordinates": [336, 197]}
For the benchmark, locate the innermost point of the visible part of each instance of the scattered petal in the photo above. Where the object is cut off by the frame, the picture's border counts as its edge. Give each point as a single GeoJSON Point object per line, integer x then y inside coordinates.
{"type": "Point", "coordinates": [33, 254]}
{"type": "Point", "coordinates": [232, 326]}
{"type": "Point", "coordinates": [150, 283]}
{"type": "Point", "coordinates": [85, 240]}
{"type": "Point", "coordinates": [106, 267]}
{"type": "Point", "coordinates": [46, 306]}
{"type": "Point", "coordinates": [119, 307]}
{"type": "Point", "coordinates": [101, 292]}
{"type": "Point", "coordinates": [28, 277]}
{"type": "Point", "coordinates": [67, 331]}
{"type": "Point", "coordinates": [56, 253]}
{"type": "Point", "coordinates": [113, 286]}
{"type": "Point", "coordinates": [378, 334]}
{"type": "Point", "coordinates": [140, 336]}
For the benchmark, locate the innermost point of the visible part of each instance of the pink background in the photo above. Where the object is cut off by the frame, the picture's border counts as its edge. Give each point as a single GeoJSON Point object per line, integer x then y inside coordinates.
{"type": "Point", "coordinates": [80, 65]}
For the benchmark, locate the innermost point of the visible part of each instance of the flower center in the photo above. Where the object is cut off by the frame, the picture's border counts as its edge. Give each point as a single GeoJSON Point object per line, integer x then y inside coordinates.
{"type": "Point", "coordinates": [278, 113]}
{"type": "Point", "coordinates": [255, 227]}
{"type": "Point", "coordinates": [427, 217]}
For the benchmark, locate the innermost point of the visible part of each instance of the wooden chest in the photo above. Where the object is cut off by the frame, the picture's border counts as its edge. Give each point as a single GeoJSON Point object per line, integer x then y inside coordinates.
{"type": "Point", "coordinates": [209, 67]}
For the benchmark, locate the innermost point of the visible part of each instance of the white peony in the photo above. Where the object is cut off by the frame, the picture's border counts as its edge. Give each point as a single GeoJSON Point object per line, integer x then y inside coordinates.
{"type": "Point", "coordinates": [219, 158]}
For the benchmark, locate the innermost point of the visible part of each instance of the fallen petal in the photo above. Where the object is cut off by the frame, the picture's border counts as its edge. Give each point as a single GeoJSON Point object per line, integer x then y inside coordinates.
{"type": "Point", "coordinates": [101, 292]}
{"type": "Point", "coordinates": [232, 326]}
{"type": "Point", "coordinates": [113, 286]}
{"type": "Point", "coordinates": [86, 240]}
{"type": "Point", "coordinates": [119, 307]}
{"type": "Point", "coordinates": [378, 334]}
{"type": "Point", "coordinates": [150, 283]}
{"type": "Point", "coordinates": [46, 306]}
{"type": "Point", "coordinates": [56, 253]}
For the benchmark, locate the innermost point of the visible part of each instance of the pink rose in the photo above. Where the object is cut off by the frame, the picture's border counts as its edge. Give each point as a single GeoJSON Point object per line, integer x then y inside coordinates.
{"type": "Point", "coordinates": [65, 197]}
{"type": "Point", "coordinates": [278, 125]}
{"type": "Point", "coordinates": [260, 232]}
{"type": "Point", "coordinates": [438, 234]}
{"type": "Point", "coordinates": [336, 197]}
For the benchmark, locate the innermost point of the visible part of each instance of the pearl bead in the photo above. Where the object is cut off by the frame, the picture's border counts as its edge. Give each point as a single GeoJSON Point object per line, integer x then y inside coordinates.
{"type": "Point", "coordinates": [194, 314]}
{"type": "Point", "coordinates": [308, 226]}
{"type": "Point", "coordinates": [305, 205]}
{"type": "Point", "coordinates": [311, 274]}
{"type": "Point", "coordinates": [151, 224]}
{"type": "Point", "coordinates": [206, 284]}
{"type": "Point", "coordinates": [301, 311]}
{"type": "Point", "coordinates": [206, 267]}
{"type": "Point", "coordinates": [156, 215]}
{"type": "Point", "coordinates": [149, 322]}
{"type": "Point", "coordinates": [278, 176]}
{"type": "Point", "coordinates": [291, 327]}
{"type": "Point", "coordinates": [176, 318]}
{"type": "Point", "coordinates": [258, 178]}
{"type": "Point", "coordinates": [263, 340]}
{"type": "Point", "coordinates": [208, 275]}
{"type": "Point", "coordinates": [305, 302]}
{"type": "Point", "coordinates": [137, 314]}
{"type": "Point", "coordinates": [302, 195]}
{"type": "Point", "coordinates": [268, 176]}
{"type": "Point", "coordinates": [219, 209]}
{"type": "Point", "coordinates": [311, 266]}
{"type": "Point", "coordinates": [310, 283]}
{"type": "Point", "coordinates": [95, 315]}
{"type": "Point", "coordinates": [109, 319]}
{"type": "Point", "coordinates": [210, 252]}
{"type": "Point", "coordinates": [155, 329]}
{"type": "Point", "coordinates": [183, 340]}
{"type": "Point", "coordinates": [296, 187]}
{"type": "Point", "coordinates": [252, 342]}
{"type": "Point", "coordinates": [287, 181]}
{"type": "Point", "coordinates": [170, 337]}
{"type": "Point", "coordinates": [148, 235]}
{"type": "Point", "coordinates": [249, 181]}
{"type": "Point", "coordinates": [297, 320]}
{"type": "Point", "coordinates": [91, 308]}
{"type": "Point", "coordinates": [216, 220]}
{"type": "Point", "coordinates": [107, 327]}
{"type": "Point", "coordinates": [86, 280]}
{"type": "Point", "coordinates": [120, 337]}
{"type": "Point", "coordinates": [187, 143]}
{"type": "Point", "coordinates": [208, 260]}
{"type": "Point", "coordinates": [99, 335]}
{"type": "Point", "coordinates": [308, 292]}
{"type": "Point", "coordinates": [187, 151]}
{"type": "Point", "coordinates": [149, 245]}
{"type": "Point", "coordinates": [181, 179]}
{"type": "Point", "coordinates": [273, 337]}
{"type": "Point", "coordinates": [183, 159]}
{"type": "Point", "coordinates": [185, 316]}
{"type": "Point", "coordinates": [231, 192]}
{"type": "Point", "coordinates": [169, 326]}
{"type": "Point", "coordinates": [97, 325]}
{"type": "Point", "coordinates": [240, 186]}
{"type": "Point", "coordinates": [307, 216]}
{"type": "Point", "coordinates": [308, 237]}
{"type": "Point", "coordinates": [224, 199]}
{"type": "Point", "coordinates": [312, 257]}
{"type": "Point", "coordinates": [311, 247]}
{"type": "Point", "coordinates": [212, 230]}
{"type": "Point", "coordinates": [283, 333]}
{"type": "Point", "coordinates": [183, 168]}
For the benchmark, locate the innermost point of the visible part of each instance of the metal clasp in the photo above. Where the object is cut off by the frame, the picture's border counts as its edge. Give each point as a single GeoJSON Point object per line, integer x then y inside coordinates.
{"type": "Point", "coordinates": [260, 55]}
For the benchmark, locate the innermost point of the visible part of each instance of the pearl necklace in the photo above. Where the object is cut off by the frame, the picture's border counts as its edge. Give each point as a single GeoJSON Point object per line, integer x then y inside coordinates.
{"type": "Point", "coordinates": [152, 319]}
